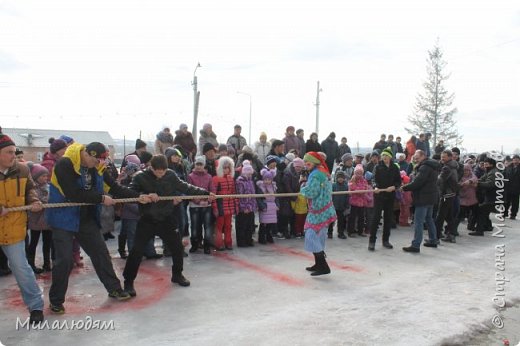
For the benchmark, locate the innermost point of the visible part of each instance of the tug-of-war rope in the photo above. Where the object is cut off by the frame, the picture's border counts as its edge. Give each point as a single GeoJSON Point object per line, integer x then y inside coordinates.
{"type": "Point", "coordinates": [171, 198]}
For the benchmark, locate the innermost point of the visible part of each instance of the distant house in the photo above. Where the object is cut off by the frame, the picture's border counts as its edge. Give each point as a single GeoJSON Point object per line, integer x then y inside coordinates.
{"type": "Point", "coordinates": [35, 142]}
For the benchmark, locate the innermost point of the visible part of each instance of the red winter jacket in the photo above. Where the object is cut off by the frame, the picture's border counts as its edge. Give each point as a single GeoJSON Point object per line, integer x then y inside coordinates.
{"type": "Point", "coordinates": [224, 186]}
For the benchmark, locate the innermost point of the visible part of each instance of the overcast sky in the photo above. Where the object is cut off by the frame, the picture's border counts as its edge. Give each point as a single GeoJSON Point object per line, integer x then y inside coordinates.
{"type": "Point", "coordinates": [127, 66]}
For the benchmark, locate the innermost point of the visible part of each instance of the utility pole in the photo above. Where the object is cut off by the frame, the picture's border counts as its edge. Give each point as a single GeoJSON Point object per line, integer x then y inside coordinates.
{"type": "Point", "coordinates": [317, 104]}
{"type": "Point", "coordinates": [196, 97]}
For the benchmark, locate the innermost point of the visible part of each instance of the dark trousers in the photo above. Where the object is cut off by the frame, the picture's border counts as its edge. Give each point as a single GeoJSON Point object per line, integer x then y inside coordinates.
{"type": "Point", "coordinates": [201, 218]}
{"type": "Point", "coordinates": [445, 213]}
{"type": "Point", "coordinates": [386, 206]}
{"type": "Point", "coordinates": [92, 242]}
{"type": "Point", "coordinates": [146, 230]}
{"type": "Point", "coordinates": [47, 247]}
{"type": "Point", "coordinates": [483, 221]}
{"type": "Point", "coordinates": [469, 212]}
{"type": "Point", "coordinates": [342, 222]}
{"type": "Point", "coordinates": [512, 200]}
{"type": "Point", "coordinates": [3, 260]}
{"type": "Point", "coordinates": [283, 223]}
{"type": "Point", "coordinates": [244, 226]}
{"type": "Point", "coordinates": [356, 214]}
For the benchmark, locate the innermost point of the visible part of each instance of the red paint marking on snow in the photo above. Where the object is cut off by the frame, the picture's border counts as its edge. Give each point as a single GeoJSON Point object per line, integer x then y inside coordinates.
{"type": "Point", "coordinates": [302, 254]}
{"type": "Point", "coordinates": [286, 279]}
{"type": "Point", "coordinates": [152, 285]}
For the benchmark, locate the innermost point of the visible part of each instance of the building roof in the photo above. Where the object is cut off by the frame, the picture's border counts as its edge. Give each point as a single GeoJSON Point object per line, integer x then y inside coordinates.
{"type": "Point", "coordinates": [26, 137]}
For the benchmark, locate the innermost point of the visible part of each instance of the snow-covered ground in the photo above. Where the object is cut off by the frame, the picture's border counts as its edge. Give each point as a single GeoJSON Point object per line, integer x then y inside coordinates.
{"type": "Point", "coordinates": [264, 296]}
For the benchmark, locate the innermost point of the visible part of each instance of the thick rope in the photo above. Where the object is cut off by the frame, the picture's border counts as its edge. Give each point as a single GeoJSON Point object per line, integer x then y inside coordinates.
{"type": "Point", "coordinates": [171, 198]}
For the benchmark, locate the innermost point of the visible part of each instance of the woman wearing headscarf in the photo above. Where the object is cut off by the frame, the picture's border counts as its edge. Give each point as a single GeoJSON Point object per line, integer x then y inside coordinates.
{"type": "Point", "coordinates": [318, 191]}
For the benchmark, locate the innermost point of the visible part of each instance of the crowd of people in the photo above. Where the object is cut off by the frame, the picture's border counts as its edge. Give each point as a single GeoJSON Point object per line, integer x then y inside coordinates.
{"type": "Point", "coordinates": [393, 185]}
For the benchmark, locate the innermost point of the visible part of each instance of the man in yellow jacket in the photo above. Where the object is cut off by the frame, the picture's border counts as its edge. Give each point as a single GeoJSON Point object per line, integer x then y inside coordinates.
{"type": "Point", "coordinates": [17, 189]}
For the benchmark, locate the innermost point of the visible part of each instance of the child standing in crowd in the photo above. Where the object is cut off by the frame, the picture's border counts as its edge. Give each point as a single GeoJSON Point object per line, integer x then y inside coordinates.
{"type": "Point", "coordinates": [130, 214]}
{"type": "Point", "coordinates": [369, 208]}
{"type": "Point", "coordinates": [341, 205]}
{"type": "Point", "coordinates": [200, 209]}
{"type": "Point", "coordinates": [267, 207]}
{"type": "Point", "coordinates": [224, 208]}
{"type": "Point", "coordinates": [358, 203]}
{"type": "Point", "coordinates": [245, 220]}
{"type": "Point", "coordinates": [37, 222]}
{"type": "Point", "coordinates": [468, 197]}
{"type": "Point", "coordinates": [405, 202]}
{"type": "Point", "coordinates": [300, 208]}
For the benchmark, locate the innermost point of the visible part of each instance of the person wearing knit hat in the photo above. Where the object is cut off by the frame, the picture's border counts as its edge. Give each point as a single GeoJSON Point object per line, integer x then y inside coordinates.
{"type": "Point", "coordinates": [36, 221]}
{"type": "Point", "coordinates": [297, 162]}
{"type": "Point", "coordinates": [358, 203]}
{"type": "Point", "coordinates": [18, 190]}
{"type": "Point", "coordinates": [245, 219]}
{"type": "Point", "coordinates": [271, 161]}
{"type": "Point", "coordinates": [200, 160]}
{"type": "Point", "coordinates": [37, 171]}
{"type": "Point", "coordinates": [290, 157]}
{"type": "Point", "coordinates": [69, 140]}
{"type": "Point", "coordinates": [386, 176]}
{"type": "Point", "coordinates": [140, 149]}
{"type": "Point", "coordinates": [132, 158]}
{"type": "Point", "coordinates": [57, 145]}
{"type": "Point", "coordinates": [318, 189]}
{"type": "Point", "coordinates": [387, 152]}
{"type": "Point", "coordinates": [341, 205]}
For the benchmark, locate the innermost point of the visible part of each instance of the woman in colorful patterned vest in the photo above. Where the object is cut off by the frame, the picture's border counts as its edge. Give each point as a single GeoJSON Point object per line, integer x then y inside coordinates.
{"type": "Point", "coordinates": [318, 191]}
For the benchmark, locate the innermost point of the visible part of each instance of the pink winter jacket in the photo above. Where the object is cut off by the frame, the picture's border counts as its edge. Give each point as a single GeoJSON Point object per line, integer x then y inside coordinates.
{"type": "Point", "coordinates": [358, 199]}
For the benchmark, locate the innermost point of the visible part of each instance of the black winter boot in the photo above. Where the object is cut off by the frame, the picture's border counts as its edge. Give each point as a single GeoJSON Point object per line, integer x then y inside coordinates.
{"type": "Point", "coordinates": [121, 244]}
{"type": "Point", "coordinates": [322, 266]}
{"type": "Point", "coordinates": [262, 238]}
{"type": "Point", "coordinates": [314, 267]}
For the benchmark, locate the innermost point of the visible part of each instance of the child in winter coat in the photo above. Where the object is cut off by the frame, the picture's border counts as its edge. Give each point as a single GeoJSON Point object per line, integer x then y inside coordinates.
{"type": "Point", "coordinates": [200, 209]}
{"type": "Point", "coordinates": [245, 220]}
{"type": "Point", "coordinates": [224, 208]}
{"type": "Point", "coordinates": [405, 202]}
{"type": "Point", "coordinates": [369, 207]}
{"type": "Point", "coordinates": [267, 207]}
{"type": "Point", "coordinates": [358, 202]}
{"type": "Point", "coordinates": [130, 216]}
{"type": "Point", "coordinates": [341, 204]}
{"type": "Point", "coordinates": [37, 224]}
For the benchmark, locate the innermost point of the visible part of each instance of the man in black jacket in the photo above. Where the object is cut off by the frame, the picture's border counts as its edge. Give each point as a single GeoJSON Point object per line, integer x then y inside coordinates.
{"type": "Point", "coordinates": [386, 175]}
{"type": "Point", "coordinates": [488, 190]}
{"type": "Point", "coordinates": [425, 195]}
{"type": "Point", "coordinates": [448, 188]}
{"type": "Point", "coordinates": [158, 218]}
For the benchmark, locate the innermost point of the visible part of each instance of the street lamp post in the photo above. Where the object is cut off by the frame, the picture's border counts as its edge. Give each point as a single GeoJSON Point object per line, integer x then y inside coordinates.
{"type": "Point", "coordinates": [196, 97]}
{"type": "Point", "coordinates": [317, 104]}
{"type": "Point", "coordinates": [250, 111]}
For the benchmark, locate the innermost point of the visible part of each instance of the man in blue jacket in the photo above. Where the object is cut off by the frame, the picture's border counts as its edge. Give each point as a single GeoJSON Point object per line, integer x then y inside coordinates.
{"type": "Point", "coordinates": [79, 176]}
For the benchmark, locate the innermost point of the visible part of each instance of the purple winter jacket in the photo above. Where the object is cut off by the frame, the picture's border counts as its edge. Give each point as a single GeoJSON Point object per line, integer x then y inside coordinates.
{"type": "Point", "coordinates": [269, 214]}
{"type": "Point", "coordinates": [202, 180]}
{"type": "Point", "coordinates": [245, 186]}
